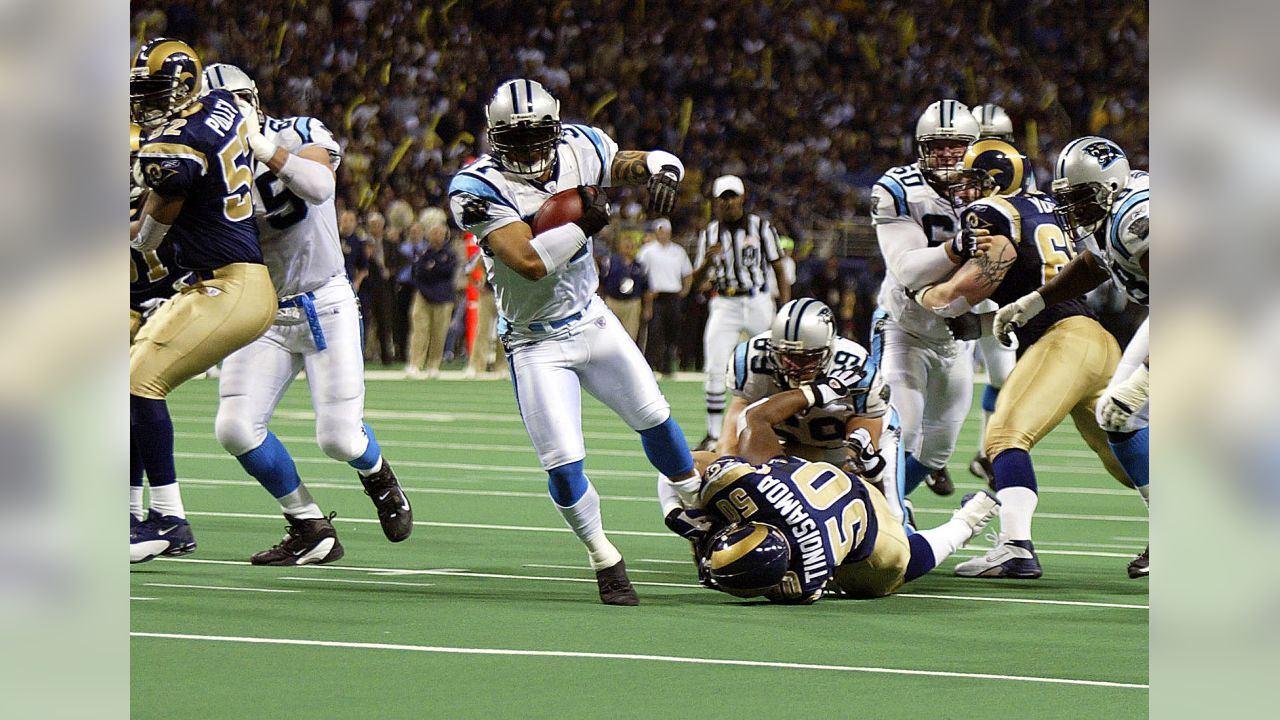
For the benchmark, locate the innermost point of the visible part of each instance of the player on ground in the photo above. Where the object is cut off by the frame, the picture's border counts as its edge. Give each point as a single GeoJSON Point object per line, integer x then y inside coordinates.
{"type": "Point", "coordinates": [1065, 357]}
{"type": "Point", "coordinates": [559, 337]}
{"type": "Point", "coordinates": [993, 123]}
{"type": "Point", "coordinates": [928, 361]}
{"type": "Point", "coordinates": [196, 161]}
{"type": "Point", "coordinates": [317, 327]}
{"type": "Point", "coordinates": [733, 250]}
{"type": "Point", "coordinates": [790, 525]}
{"type": "Point", "coordinates": [1103, 202]}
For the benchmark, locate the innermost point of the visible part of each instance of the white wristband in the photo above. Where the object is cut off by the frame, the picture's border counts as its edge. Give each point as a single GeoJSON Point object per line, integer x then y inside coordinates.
{"type": "Point", "coordinates": [656, 159]}
{"type": "Point", "coordinates": [150, 233]}
{"type": "Point", "coordinates": [557, 245]}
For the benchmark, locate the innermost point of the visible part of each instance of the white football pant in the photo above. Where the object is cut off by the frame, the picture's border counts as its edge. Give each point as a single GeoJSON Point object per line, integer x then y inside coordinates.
{"type": "Point", "coordinates": [932, 389]}
{"type": "Point", "coordinates": [1135, 353]}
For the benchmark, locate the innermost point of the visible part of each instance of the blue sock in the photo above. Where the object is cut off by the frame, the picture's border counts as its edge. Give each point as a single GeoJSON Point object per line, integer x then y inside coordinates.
{"type": "Point", "coordinates": [567, 484]}
{"type": "Point", "coordinates": [151, 430]}
{"type": "Point", "coordinates": [922, 560]}
{"type": "Point", "coordinates": [1013, 469]}
{"type": "Point", "coordinates": [989, 398]}
{"type": "Point", "coordinates": [135, 464]}
{"type": "Point", "coordinates": [272, 466]}
{"type": "Point", "coordinates": [371, 454]}
{"type": "Point", "coordinates": [666, 448]}
{"type": "Point", "coordinates": [915, 474]}
{"type": "Point", "coordinates": [1133, 452]}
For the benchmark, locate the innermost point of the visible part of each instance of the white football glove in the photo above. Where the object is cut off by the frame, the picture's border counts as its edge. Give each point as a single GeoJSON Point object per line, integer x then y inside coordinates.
{"type": "Point", "coordinates": [261, 147]}
{"type": "Point", "coordinates": [1118, 406]}
{"type": "Point", "coordinates": [863, 455]}
{"type": "Point", "coordinates": [1015, 315]}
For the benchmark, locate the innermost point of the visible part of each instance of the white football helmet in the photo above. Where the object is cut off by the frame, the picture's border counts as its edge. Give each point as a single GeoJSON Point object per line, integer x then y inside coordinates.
{"type": "Point", "coordinates": [993, 122]}
{"type": "Point", "coordinates": [237, 82]}
{"type": "Point", "coordinates": [1088, 175]}
{"type": "Point", "coordinates": [801, 340]}
{"type": "Point", "coordinates": [943, 132]}
{"type": "Point", "coordinates": [524, 127]}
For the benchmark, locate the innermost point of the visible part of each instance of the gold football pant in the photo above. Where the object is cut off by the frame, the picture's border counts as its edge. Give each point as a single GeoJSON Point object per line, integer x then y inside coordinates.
{"type": "Point", "coordinates": [884, 571]}
{"type": "Point", "coordinates": [199, 326]}
{"type": "Point", "coordinates": [1064, 372]}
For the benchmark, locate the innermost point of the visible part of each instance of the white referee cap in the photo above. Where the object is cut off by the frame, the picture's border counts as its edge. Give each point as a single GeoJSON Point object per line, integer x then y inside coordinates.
{"type": "Point", "coordinates": [727, 183]}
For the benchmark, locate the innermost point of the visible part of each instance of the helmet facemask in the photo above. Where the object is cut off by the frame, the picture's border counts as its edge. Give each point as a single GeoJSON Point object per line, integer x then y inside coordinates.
{"type": "Point", "coordinates": [796, 364]}
{"type": "Point", "coordinates": [1081, 208]}
{"type": "Point", "coordinates": [153, 99]}
{"type": "Point", "coordinates": [972, 184]}
{"type": "Point", "coordinates": [526, 148]}
{"type": "Point", "coordinates": [939, 159]}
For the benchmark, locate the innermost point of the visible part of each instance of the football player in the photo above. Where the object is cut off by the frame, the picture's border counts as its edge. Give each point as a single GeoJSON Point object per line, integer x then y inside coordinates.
{"type": "Point", "coordinates": [559, 337]}
{"type": "Point", "coordinates": [788, 526]}
{"type": "Point", "coordinates": [1107, 205]}
{"type": "Point", "coordinates": [928, 361]}
{"type": "Point", "coordinates": [1065, 358]}
{"type": "Point", "coordinates": [317, 327]}
{"type": "Point", "coordinates": [859, 432]}
{"type": "Point", "coordinates": [195, 159]}
{"type": "Point", "coordinates": [993, 122]}
{"type": "Point", "coordinates": [152, 275]}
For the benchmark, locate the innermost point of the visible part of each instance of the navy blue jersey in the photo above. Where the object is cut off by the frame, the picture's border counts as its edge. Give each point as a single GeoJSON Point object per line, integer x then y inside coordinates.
{"type": "Point", "coordinates": [203, 157]}
{"type": "Point", "coordinates": [152, 273]}
{"type": "Point", "coordinates": [826, 516]}
{"type": "Point", "coordinates": [1043, 250]}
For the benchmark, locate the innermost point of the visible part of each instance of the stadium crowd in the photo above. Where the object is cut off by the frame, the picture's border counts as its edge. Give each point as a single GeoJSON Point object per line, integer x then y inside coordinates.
{"type": "Point", "coordinates": [807, 102]}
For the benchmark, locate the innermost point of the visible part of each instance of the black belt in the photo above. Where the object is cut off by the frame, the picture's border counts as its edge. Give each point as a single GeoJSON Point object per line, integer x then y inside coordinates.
{"type": "Point", "coordinates": [737, 292]}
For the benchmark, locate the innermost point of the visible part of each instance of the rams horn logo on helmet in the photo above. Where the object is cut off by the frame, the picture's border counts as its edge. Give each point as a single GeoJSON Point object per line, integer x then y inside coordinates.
{"type": "Point", "coordinates": [1104, 152]}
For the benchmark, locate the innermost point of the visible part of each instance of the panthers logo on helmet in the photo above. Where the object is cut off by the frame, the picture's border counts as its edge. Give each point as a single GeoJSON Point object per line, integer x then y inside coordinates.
{"type": "Point", "coordinates": [1104, 152]}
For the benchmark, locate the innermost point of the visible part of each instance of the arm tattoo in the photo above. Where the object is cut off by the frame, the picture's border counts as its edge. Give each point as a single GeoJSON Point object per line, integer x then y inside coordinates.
{"type": "Point", "coordinates": [991, 270]}
{"type": "Point", "coordinates": [628, 166]}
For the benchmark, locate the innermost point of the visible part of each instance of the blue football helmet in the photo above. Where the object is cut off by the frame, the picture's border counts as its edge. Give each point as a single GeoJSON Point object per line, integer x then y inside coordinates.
{"type": "Point", "coordinates": [747, 559]}
{"type": "Point", "coordinates": [989, 167]}
{"type": "Point", "coordinates": [164, 80]}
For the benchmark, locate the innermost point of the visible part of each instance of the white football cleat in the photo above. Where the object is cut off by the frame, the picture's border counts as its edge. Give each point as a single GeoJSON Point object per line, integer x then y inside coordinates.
{"type": "Point", "coordinates": [1009, 558]}
{"type": "Point", "coordinates": [976, 510]}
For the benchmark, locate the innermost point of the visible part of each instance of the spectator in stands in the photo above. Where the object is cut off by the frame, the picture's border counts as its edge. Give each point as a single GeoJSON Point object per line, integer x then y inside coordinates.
{"type": "Point", "coordinates": [433, 300]}
{"type": "Point", "coordinates": [624, 283]}
{"type": "Point", "coordinates": [380, 302]}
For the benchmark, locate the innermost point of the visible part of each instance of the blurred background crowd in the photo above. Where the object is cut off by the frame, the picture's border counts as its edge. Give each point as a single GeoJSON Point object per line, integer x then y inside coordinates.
{"type": "Point", "coordinates": [808, 102]}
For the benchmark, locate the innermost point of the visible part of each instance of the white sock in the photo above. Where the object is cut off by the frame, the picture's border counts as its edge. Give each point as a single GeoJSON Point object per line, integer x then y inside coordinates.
{"type": "Point", "coordinates": [668, 498]}
{"type": "Point", "coordinates": [983, 419]}
{"type": "Point", "coordinates": [376, 467]}
{"type": "Point", "coordinates": [1017, 505]}
{"type": "Point", "coordinates": [167, 500]}
{"type": "Point", "coordinates": [300, 504]}
{"type": "Point", "coordinates": [583, 518]}
{"type": "Point", "coordinates": [135, 502]}
{"type": "Point", "coordinates": [1145, 491]}
{"type": "Point", "coordinates": [944, 539]}
{"type": "Point", "coordinates": [714, 421]}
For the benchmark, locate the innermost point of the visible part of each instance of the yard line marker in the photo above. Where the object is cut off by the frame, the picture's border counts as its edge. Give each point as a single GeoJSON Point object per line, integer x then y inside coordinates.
{"type": "Point", "coordinates": [139, 597]}
{"type": "Point", "coordinates": [636, 657]}
{"type": "Point", "coordinates": [1074, 603]}
{"type": "Point", "coordinates": [357, 582]}
{"type": "Point", "coordinates": [219, 587]}
{"type": "Point", "coordinates": [579, 567]}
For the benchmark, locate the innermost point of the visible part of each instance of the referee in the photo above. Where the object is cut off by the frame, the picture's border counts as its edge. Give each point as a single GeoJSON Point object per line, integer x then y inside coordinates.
{"type": "Point", "coordinates": [732, 251]}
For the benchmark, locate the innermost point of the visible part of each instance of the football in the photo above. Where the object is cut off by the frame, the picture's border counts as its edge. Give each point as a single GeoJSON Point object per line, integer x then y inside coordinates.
{"type": "Point", "coordinates": [559, 209]}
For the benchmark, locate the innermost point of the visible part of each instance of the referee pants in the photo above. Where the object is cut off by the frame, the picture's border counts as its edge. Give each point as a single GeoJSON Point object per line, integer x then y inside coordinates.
{"type": "Point", "coordinates": [729, 318]}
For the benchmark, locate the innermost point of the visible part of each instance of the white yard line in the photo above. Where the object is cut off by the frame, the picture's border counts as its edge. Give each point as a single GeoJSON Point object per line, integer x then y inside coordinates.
{"type": "Point", "coordinates": [218, 587]}
{"type": "Point", "coordinates": [579, 567]}
{"type": "Point", "coordinates": [636, 657]}
{"type": "Point", "coordinates": [353, 581]}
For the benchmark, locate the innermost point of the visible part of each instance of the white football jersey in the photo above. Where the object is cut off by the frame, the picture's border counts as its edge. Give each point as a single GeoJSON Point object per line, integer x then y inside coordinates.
{"type": "Point", "coordinates": [902, 197]}
{"type": "Point", "coordinates": [1124, 233]}
{"type": "Point", "coordinates": [299, 241]}
{"type": "Point", "coordinates": [483, 198]}
{"type": "Point", "coordinates": [754, 376]}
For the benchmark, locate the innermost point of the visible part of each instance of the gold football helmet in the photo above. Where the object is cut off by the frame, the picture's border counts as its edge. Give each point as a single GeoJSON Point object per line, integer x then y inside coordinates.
{"type": "Point", "coordinates": [164, 80]}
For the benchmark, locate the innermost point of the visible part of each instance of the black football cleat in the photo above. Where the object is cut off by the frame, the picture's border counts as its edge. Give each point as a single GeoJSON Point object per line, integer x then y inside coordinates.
{"type": "Point", "coordinates": [939, 481]}
{"type": "Point", "coordinates": [615, 586]}
{"type": "Point", "coordinates": [394, 513]}
{"type": "Point", "coordinates": [980, 467]}
{"type": "Point", "coordinates": [708, 444]}
{"type": "Point", "coordinates": [306, 542]}
{"type": "Point", "coordinates": [1140, 566]}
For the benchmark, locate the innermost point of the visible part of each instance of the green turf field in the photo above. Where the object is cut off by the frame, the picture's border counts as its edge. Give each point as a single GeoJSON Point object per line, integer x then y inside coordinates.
{"type": "Point", "coordinates": [490, 609]}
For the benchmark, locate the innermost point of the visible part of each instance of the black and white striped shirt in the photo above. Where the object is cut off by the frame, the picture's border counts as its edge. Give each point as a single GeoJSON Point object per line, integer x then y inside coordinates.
{"type": "Point", "coordinates": [745, 247]}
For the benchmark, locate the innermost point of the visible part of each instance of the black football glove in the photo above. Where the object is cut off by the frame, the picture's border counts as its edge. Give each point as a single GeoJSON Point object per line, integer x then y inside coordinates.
{"type": "Point", "coordinates": [595, 210]}
{"type": "Point", "coordinates": [662, 190]}
{"type": "Point", "coordinates": [965, 327]}
{"type": "Point", "coordinates": [964, 244]}
{"type": "Point", "coordinates": [691, 524]}
{"type": "Point", "coordinates": [865, 459]}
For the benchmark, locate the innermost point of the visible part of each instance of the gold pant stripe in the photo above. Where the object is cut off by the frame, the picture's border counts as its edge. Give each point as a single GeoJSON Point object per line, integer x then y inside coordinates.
{"type": "Point", "coordinates": [884, 571]}
{"type": "Point", "coordinates": [199, 326]}
{"type": "Point", "coordinates": [1063, 373]}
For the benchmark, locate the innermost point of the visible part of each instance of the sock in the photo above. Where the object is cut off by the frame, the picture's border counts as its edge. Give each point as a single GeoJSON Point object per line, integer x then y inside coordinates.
{"type": "Point", "coordinates": [370, 461]}
{"type": "Point", "coordinates": [167, 500]}
{"type": "Point", "coordinates": [988, 407]}
{"type": "Point", "coordinates": [567, 484]}
{"type": "Point", "coordinates": [922, 558]}
{"type": "Point", "coordinates": [1133, 452]}
{"type": "Point", "coordinates": [583, 518]}
{"type": "Point", "coordinates": [271, 465]}
{"type": "Point", "coordinates": [151, 431]}
{"type": "Point", "coordinates": [915, 474]}
{"type": "Point", "coordinates": [135, 482]}
{"type": "Point", "coordinates": [300, 504]}
{"type": "Point", "coordinates": [1016, 490]}
{"type": "Point", "coordinates": [666, 448]}
{"type": "Point", "coordinates": [715, 419]}
{"type": "Point", "coordinates": [135, 503]}
{"type": "Point", "coordinates": [944, 539]}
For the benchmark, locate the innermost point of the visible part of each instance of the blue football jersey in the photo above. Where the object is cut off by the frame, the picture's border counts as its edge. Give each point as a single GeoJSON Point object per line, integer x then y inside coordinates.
{"type": "Point", "coordinates": [826, 516]}
{"type": "Point", "coordinates": [203, 157]}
